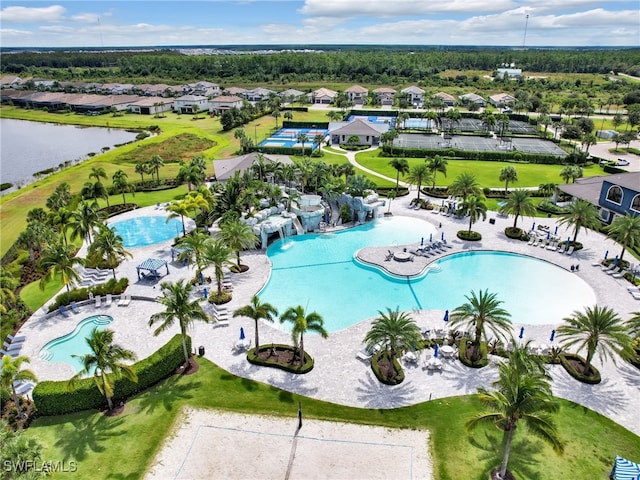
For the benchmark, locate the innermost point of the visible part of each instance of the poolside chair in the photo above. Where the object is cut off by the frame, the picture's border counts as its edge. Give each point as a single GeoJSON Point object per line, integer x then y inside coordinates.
{"type": "Point", "coordinates": [16, 339]}
{"type": "Point", "coordinates": [74, 307]}
{"type": "Point", "coordinates": [98, 300]}
{"type": "Point", "coordinates": [108, 300]}
{"type": "Point", "coordinates": [532, 240]}
{"type": "Point", "coordinates": [619, 274]}
{"type": "Point", "coordinates": [563, 248]}
{"type": "Point", "coordinates": [447, 244]}
{"type": "Point", "coordinates": [570, 250]}
{"type": "Point", "coordinates": [24, 388]}
{"type": "Point", "coordinates": [63, 311]}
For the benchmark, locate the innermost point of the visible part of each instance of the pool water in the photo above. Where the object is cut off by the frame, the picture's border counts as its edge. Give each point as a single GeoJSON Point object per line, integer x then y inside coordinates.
{"type": "Point", "coordinates": [318, 272]}
{"type": "Point", "coordinates": [149, 230]}
{"type": "Point", "coordinates": [63, 349]}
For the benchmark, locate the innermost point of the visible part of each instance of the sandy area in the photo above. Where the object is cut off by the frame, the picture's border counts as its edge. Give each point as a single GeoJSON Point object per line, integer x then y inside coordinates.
{"type": "Point", "coordinates": [215, 445]}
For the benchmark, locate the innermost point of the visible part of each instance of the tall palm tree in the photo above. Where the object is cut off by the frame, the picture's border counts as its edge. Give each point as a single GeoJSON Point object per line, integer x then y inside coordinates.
{"type": "Point", "coordinates": [121, 185]}
{"type": "Point", "coordinates": [60, 198]}
{"type": "Point", "coordinates": [193, 246]}
{"type": "Point", "coordinates": [508, 174]}
{"type": "Point", "coordinates": [58, 259]}
{"type": "Point", "coordinates": [518, 203]}
{"type": "Point", "coordinates": [418, 175]}
{"type": "Point", "coordinates": [626, 231]}
{"type": "Point", "coordinates": [178, 306]}
{"type": "Point", "coordinates": [388, 137]}
{"type": "Point", "coordinates": [598, 330]}
{"type": "Point", "coordinates": [97, 173]}
{"type": "Point", "coordinates": [218, 254]}
{"type": "Point", "coordinates": [401, 166]}
{"type": "Point", "coordinates": [317, 140]}
{"type": "Point", "coordinates": [276, 114]}
{"type": "Point", "coordinates": [453, 116]}
{"type": "Point", "coordinates": [475, 207]}
{"type": "Point", "coordinates": [192, 173]}
{"type": "Point", "coordinates": [198, 200]}
{"type": "Point", "coordinates": [302, 323]}
{"type": "Point", "coordinates": [257, 311]}
{"type": "Point", "coordinates": [154, 165]}
{"type": "Point", "coordinates": [94, 191]}
{"type": "Point", "coordinates": [109, 246]}
{"type": "Point", "coordinates": [11, 373]}
{"type": "Point", "coordinates": [60, 220]}
{"type": "Point", "coordinates": [393, 330]}
{"type": "Point", "coordinates": [179, 208]}
{"type": "Point", "coordinates": [435, 165]}
{"type": "Point", "coordinates": [480, 314]}
{"type": "Point", "coordinates": [302, 139]}
{"type": "Point", "coordinates": [141, 168]}
{"type": "Point", "coordinates": [105, 358]}
{"type": "Point", "coordinates": [464, 185]}
{"type": "Point", "coordinates": [581, 213]}
{"type": "Point", "coordinates": [522, 394]}
{"type": "Point", "coordinates": [83, 221]}
{"type": "Point", "coordinates": [238, 236]}
{"type": "Point", "coordinates": [547, 189]}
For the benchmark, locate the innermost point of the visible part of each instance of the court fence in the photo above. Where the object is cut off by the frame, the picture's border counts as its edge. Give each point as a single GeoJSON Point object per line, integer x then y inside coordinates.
{"type": "Point", "coordinates": [473, 155]}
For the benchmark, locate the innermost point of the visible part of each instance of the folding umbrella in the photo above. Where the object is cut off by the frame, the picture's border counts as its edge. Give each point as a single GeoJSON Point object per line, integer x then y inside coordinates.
{"type": "Point", "coordinates": [435, 351]}
{"type": "Point", "coordinates": [553, 335]}
{"type": "Point", "coordinates": [521, 333]}
{"type": "Point", "coordinates": [242, 337]}
{"type": "Point", "coordinates": [446, 316]}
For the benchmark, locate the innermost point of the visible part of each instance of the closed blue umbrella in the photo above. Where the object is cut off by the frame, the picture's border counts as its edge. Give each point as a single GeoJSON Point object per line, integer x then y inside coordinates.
{"type": "Point", "coordinates": [442, 236]}
{"type": "Point", "coordinates": [242, 337]}
{"type": "Point", "coordinates": [556, 232]}
{"type": "Point", "coordinates": [446, 316]}
{"type": "Point", "coordinates": [205, 294]}
{"type": "Point", "coordinates": [533, 226]}
{"type": "Point", "coordinates": [435, 351]}
{"type": "Point", "coordinates": [553, 335]}
{"type": "Point", "coordinates": [431, 237]}
{"type": "Point", "coordinates": [421, 241]}
{"type": "Point", "coordinates": [521, 333]}
{"type": "Point", "coordinates": [615, 260]}
{"type": "Point", "coordinates": [606, 254]}
{"type": "Point", "coordinates": [548, 235]}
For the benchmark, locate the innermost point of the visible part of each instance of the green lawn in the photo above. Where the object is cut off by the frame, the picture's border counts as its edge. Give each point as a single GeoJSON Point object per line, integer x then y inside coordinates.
{"type": "Point", "coordinates": [124, 446]}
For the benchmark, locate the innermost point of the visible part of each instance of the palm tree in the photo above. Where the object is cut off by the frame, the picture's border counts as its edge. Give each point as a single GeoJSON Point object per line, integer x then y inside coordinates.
{"type": "Point", "coordinates": [302, 139]}
{"type": "Point", "coordinates": [302, 323]}
{"type": "Point", "coordinates": [626, 231]}
{"type": "Point", "coordinates": [179, 208]}
{"type": "Point", "coordinates": [317, 140]}
{"type": "Point", "coordinates": [522, 393]}
{"type": "Point", "coordinates": [276, 114]}
{"type": "Point", "coordinates": [401, 166]}
{"type": "Point", "coordinates": [105, 358]}
{"type": "Point", "coordinates": [257, 311]}
{"type": "Point", "coordinates": [598, 330]}
{"type": "Point", "coordinates": [435, 165]}
{"type": "Point", "coordinates": [570, 172]}
{"type": "Point", "coordinates": [334, 115]}
{"type": "Point", "coordinates": [464, 185]}
{"type": "Point", "coordinates": [154, 165]}
{"type": "Point", "coordinates": [83, 221]}
{"type": "Point", "coordinates": [547, 189]}
{"type": "Point", "coordinates": [12, 373]}
{"type": "Point", "coordinates": [60, 220]}
{"type": "Point", "coordinates": [218, 254]}
{"type": "Point", "coordinates": [58, 259]}
{"type": "Point", "coordinates": [480, 314]}
{"type": "Point", "coordinates": [121, 185]}
{"type": "Point", "coordinates": [109, 246]}
{"type": "Point", "coordinates": [238, 236]}
{"type": "Point", "coordinates": [192, 173]}
{"type": "Point", "coordinates": [518, 203]}
{"type": "Point", "coordinates": [633, 324]}
{"type": "Point", "coordinates": [393, 330]}
{"type": "Point", "coordinates": [418, 175]}
{"type": "Point", "coordinates": [475, 207]}
{"type": "Point", "coordinates": [94, 191]}
{"type": "Point", "coordinates": [142, 168]}
{"type": "Point", "coordinates": [193, 246]}
{"type": "Point", "coordinates": [388, 137]}
{"type": "Point", "coordinates": [581, 214]}
{"type": "Point", "coordinates": [508, 174]}
{"type": "Point", "coordinates": [60, 198]}
{"type": "Point", "coordinates": [200, 199]}
{"type": "Point", "coordinates": [97, 173]}
{"type": "Point", "coordinates": [178, 306]}
{"type": "Point", "coordinates": [454, 116]}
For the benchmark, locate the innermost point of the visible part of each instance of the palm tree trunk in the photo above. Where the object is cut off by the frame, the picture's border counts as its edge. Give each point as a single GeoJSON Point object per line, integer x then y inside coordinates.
{"type": "Point", "coordinates": [16, 400]}
{"type": "Point", "coordinates": [257, 339]}
{"type": "Point", "coordinates": [470, 223]}
{"type": "Point", "coordinates": [507, 451]}
{"type": "Point", "coordinates": [184, 350]}
{"type": "Point", "coordinates": [184, 230]}
{"type": "Point", "coordinates": [114, 273]}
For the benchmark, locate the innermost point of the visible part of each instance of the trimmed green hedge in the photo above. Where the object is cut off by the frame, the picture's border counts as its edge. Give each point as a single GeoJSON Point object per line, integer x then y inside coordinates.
{"type": "Point", "coordinates": [399, 378]}
{"type": "Point", "coordinates": [592, 379]}
{"type": "Point", "coordinates": [469, 236]}
{"type": "Point", "coordinates": [55, 398]}
{"type": "Point", "coordinates": [514, 233]}
{"type": "Point", "coordinates": [252, 357]}
{"type": "Point", "coordinates": [112, 286]}
{"type": "Point", "coordinates": [462, 354]}
{"type": "Point", "coordinates": [495, 156]}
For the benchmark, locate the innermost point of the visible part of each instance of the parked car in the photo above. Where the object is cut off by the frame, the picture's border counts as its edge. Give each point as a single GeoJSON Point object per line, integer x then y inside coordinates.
{"type": "Point", "coordinates": [622, 162]}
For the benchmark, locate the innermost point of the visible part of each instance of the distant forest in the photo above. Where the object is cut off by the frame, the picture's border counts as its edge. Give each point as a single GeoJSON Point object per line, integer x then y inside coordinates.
{"type": "Point", "coordinates": [354, 64]}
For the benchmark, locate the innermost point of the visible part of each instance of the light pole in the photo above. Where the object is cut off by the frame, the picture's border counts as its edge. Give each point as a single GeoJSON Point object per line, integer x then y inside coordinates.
{"type": "Point", "coordinates": [255, 133]}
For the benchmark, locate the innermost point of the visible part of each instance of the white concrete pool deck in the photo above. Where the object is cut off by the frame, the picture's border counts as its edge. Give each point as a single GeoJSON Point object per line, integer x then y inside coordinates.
{"type": "Point", "coordinates": [338, 376]}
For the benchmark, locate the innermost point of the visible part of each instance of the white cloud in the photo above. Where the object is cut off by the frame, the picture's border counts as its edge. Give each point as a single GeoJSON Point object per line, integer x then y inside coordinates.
{"type": "Point", "coordinates": [54, 13]}
{"type": "Point", "coordinates": [400, 8]}
{"type": "Point", "coordinates": [9, 32]}
{"type": "Point", "coordinates": [86, 18]}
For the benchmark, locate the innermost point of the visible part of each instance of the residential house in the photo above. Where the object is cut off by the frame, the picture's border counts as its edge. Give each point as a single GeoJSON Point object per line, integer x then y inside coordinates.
{"type": "Point", "coordinates": [43, 83]}
{"type": "Point", "coordinates": [613, 195]}
{"type": "Point", "coordinates": [205, 89]}
{"type": "Point", "coordinates": [10, 81]}
{"type": "Point", "coordinates": [357, 94]}
{"type": "Point", "coordinates": [368, 133]}
{"type": "Point", "coordinates": [191, 104]}
{"type": "Point", "coordinates": [223, 103]}
{"type": "Point", "coordinates": [116, 88]}
{"type": "Point", "coordinates": [322, 96]}
{"type": "Point", "coordinates": [448, 100]}
{"type": "Point", "coordinates": [258, 94]}
{"type": "Point", "coordinates": [415, 95]}
{"type": "Point", "coordinates": [237, 91]}
{"type": "Point", "coordinates": [469, 98]}
{"type": "Point", "coordinates": [384, 96]}
{"type": "Point", "coordinates": [151, 106]}
{"type": "Point", "coordinates": [226, 168]}
{"type": "Point", "coordinates": [153, 90]}
{"type": "Point", "coordinates": [291, 95]}
{"type": "Point", "coordinates": [501, 100]}
{"type": "Point", "coordinates": [511, 73]}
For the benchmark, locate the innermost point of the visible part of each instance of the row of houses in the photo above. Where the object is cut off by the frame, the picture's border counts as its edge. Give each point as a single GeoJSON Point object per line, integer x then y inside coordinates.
{"type": "Point", "coordinates": [356, 94]}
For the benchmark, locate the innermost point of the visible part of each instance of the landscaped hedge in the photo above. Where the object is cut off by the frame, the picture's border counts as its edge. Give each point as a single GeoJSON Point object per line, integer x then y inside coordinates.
{"type": "Point", "coordinates": [462, 354]}
{"type": "Point", "coordinates": [592, 379]}
{"type": "Point", "coordinates": [55, 398]}
{"type": "Point", "coordinates": [495, 156]}
{"type": "Point", "coordinates": [396, 365]}
{"type": "Point", "coordinates": [112, 286]}
{"type": "Point", "coordinates": [294, 124]}
{"type": "Point", "coordinates": [385, 191]}
{"type": "Point", "coordinates": [469, 236]}
{"type": "Point", "coordinates": [514, 233]}
{"type": "Point", "coordinates": [252, 357]}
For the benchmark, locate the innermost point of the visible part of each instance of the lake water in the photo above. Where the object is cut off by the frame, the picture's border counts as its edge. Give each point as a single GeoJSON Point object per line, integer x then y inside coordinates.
{"type": "Point", "coordinates": [30, 147]}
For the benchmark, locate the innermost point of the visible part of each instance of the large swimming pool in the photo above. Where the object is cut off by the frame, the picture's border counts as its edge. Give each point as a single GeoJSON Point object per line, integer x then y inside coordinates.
{"type": "Point", "coordinates": [74, 344]}
{"type": "Point", "coordinates": [148, 230]}
{"type": "Point", "coordinates": [318, 272]}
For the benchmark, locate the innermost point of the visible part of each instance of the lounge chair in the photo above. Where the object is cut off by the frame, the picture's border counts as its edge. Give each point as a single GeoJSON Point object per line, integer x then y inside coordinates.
{"type": "Point", "coordinates": [63, 311]}
{"type": "Point", "coordinates": [24, 388]}
{"type": "Point", "coordinates": [614, 270]}
{"type": "Point", "coordinates": [446, 244]}
{"type": "Point", "coordinates": [74, 307]}
{"type": "Point", "coordinates": [532, 240]}
{"type": "Point", "coordinates": [619, 274]}
{"type": "Point", "coordinates": [366, 354]}
{"type": "Point", "coordinates": [570, 250]}
{"type": "Point", "coordinates": [11, 348]}
{"type": "Point", "coordinates": [125, 300]}
{"type": "Point", "coordinates": [98, 301]}
{"type": "Point", "coordinates": [16, 339]}
{"type": "Point", "coordinates": [606, 268]}
{"type": "Point", "coordinates": [108, 300]}
{"type": "Point", "coordinates": [635, 295]}
{"type": "Point", "coordinates": [563, 248]}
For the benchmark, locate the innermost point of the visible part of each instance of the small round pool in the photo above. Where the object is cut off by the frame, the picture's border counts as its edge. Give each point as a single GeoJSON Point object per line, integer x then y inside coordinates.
{"type": "Point", "coordinates": [149, 230]}
{"type": "Point", "coordinates": [65, 348]}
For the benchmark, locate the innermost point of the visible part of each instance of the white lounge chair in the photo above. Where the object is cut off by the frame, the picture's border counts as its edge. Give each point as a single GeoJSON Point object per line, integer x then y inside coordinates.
{"type": "Point", "coordinates": [16, 339]}
{"type": "Point", "coordinates": [570, 250]}
{"type": "Point", "coordinates": [614, 270]}
{"type": "Point", "coordinates": [108, 300]}
{"type": "Point", "coordinates": [619, 274]}
{"type": "Point", "coordinates": [98, 300]}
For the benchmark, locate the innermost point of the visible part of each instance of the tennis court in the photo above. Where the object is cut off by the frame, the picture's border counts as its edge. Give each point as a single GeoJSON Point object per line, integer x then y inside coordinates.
{"type": "Point", "coordinates": [372, 118]}
{"type": "Point", "coordinates": [288, 137]}
{"type": "Point", "coordinates": [476, 125]}
{"type": "Point", "coordinates": [478, 144]}
{"type": "Point", "coordinates": [422, 123]}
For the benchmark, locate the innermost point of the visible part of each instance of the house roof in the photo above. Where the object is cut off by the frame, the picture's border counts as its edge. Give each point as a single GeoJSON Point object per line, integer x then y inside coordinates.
{"type": "Point", "coordinates": [383, 90]}
{"type": "Point", "coordinates": [259, 91]}
{"type": "Point", "coordinates": [9, 79]}
{"type": "Point", "coordinates": [357, 89]}
{"type": "Point", "coordinates": [413, 89]}
{"type": "Point", "coordinates": [151, 102]}
{"type": "Point", "coordinates": [472, 97]}
{"type": "Point", "coordinates": [445, 96]}
{"type": "Point", "coordinates": [226, 168]}
{"type": "Point", "coordinates": [226, 99]}
{"type": "Point", "coordinates": [502, 97]}
{"type": "Point", "coordinates": [589, 188]}
{"type": "Point", "coordinates": [291, 92]}
{"type": "Point", "coordinates": [191, 98]}
{"type": "Point", "coordinates": [359, 127]}
{"type": "Point", "coordinates": [324, 92]}
{"type": "Point", "coordinates": [235, 90]}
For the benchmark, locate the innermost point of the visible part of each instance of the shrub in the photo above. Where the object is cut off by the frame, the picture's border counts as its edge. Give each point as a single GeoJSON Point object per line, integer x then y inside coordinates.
{"type": "Point", "coordinates": [462, 354]}
{"type": "Point", "coordinates": [399, 377]}
{"type": "Point", "coordinates": [112, 286]}
{"type": "Point", "coordinates": [469, 236]}
{"type": "Point", "coordinates": [55, 398]}
{"type": "Point", "coordinates": [253, 358]}
{"type": "Point", "coordinates": [515, 233]}
{"type": "Point", "coordinates": [219, 298]}
{"type": "Point", "coordinates": [592, 379]}
{"type": "Point", "coordinates": [550, 207]}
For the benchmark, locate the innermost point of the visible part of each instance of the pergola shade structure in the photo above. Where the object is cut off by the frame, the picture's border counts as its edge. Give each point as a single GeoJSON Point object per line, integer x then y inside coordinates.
{"type": "Point", "coordinates": [152, 265]}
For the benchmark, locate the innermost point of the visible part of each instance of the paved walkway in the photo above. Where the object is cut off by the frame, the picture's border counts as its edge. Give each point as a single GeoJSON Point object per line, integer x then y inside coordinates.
{"type": "Point", "coordinates": [338, 376]}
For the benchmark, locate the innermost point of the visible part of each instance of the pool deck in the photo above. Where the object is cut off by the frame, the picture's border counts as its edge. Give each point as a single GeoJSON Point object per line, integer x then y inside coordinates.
{"type": "Point", "coordinates": [338, 376]}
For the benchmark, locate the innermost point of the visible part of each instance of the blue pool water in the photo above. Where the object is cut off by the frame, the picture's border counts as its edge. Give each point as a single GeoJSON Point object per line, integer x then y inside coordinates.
{"type": "Point", "coordinates": [288, 137]}
{"type": "Point", "coordinates": [143, 231]}
{"type": "Point", "coordinates": [63, 348]}
{"type": "Point", "coordinates": [318, 272]}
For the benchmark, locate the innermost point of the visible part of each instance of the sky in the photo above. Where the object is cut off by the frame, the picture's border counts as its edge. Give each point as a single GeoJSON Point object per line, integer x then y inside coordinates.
{"type": "Point", "coordinates": [518, 23]}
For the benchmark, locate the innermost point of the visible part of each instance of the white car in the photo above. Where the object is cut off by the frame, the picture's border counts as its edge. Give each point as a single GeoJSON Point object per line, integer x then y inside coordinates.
{"type": "Point", "coordinates": [622, 162]}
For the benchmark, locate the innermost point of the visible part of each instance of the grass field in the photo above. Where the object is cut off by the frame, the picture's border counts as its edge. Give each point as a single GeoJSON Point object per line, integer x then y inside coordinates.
{"type": "Point", "coordinates": [124, 446]}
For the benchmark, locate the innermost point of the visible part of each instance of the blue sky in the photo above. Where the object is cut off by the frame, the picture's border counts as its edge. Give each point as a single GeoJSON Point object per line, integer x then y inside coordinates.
{"type": "Point", "coordinates": [220, 22]}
